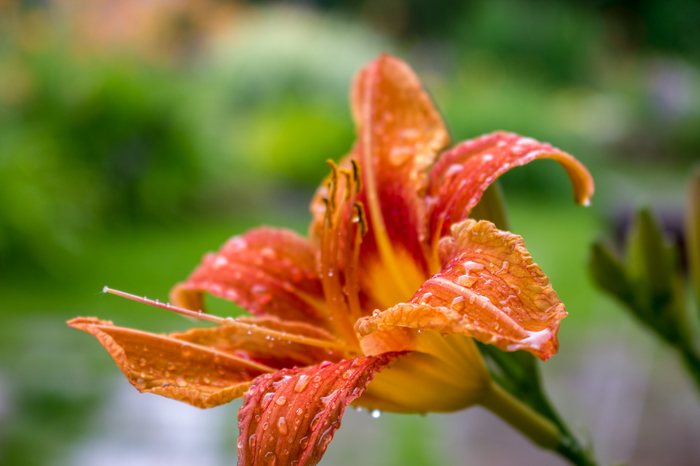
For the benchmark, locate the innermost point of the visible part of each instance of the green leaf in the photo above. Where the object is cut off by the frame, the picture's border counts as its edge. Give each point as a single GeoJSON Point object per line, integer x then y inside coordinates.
{"type": "Point", "coordinates": [655, 275]}
{"type": "Point", "coordinates": [609, 273]}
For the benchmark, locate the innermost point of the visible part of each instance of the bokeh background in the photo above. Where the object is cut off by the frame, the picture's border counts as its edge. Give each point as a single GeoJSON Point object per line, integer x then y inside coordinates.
{"type": "Point", "coordinates": [135, 135]}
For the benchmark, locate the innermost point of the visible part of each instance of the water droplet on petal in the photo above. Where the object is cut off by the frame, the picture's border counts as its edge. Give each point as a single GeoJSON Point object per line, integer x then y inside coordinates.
{"type": "Point", "coordinates": [282, 426]}
{"type": "Point", "coordinates": [181, 382]}
{"type": "Point", "coordinates": [270, 458]}
{"type": "Point", "coordinates": [281, 400]}
{"type": "Point", "coordinates": [261, 294]}
{"type": "Point", "coordinates": [375, 413]}
{"type": "Point", "coordinates": [301, 383]}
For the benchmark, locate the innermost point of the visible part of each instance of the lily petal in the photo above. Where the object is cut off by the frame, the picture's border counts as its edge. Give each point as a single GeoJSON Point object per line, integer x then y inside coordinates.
{"type": "Point", "coordinates": [400, 134]}
{"type": "Point", "coordinates": [488, 289]}
{"type": "Point", "coordinates": [289, 417]}
{"type": "Point", "coordinates": [174, 368]}
{"type": "Point", "coordinates": [250, 341]}
{"type": "Point", "coordinates": [463, 173]}
{"type": "Point", "coordinates": [266, 271]}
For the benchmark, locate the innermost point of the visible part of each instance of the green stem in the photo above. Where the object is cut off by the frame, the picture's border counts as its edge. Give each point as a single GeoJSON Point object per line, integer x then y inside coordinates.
{"type": "Point", "coordinates": [533, 425]}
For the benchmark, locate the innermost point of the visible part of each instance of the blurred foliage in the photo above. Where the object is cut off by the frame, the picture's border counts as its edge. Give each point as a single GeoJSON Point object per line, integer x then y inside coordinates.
{"type": "Point", "coordinates": [650, 283]}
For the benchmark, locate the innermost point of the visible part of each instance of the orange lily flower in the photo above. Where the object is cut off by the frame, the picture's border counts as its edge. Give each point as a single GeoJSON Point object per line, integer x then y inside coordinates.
{"type": "Point", "coordinates": [380, 307]}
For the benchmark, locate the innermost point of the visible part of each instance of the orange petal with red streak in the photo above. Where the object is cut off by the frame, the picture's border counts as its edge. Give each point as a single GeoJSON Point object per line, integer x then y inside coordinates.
{"type": "Point", "coordinates": [289, 417]}
{"type": "Point", "coordinates": [463, 173]}
{"type": "Point", "coordinates": [400, 134]}
{"type": "Point", "coordinates": [266, 271]}
{"type": "Point", "coordinates": [165, 365]}
{"type": "Point", "coordinates": [257, 345]}
{"type": "Point", "coordinates": [489, 289]}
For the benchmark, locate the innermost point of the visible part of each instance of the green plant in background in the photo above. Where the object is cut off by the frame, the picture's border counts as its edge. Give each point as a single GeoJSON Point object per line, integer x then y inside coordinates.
{"type": "Point", "coordinates": [651, 282]}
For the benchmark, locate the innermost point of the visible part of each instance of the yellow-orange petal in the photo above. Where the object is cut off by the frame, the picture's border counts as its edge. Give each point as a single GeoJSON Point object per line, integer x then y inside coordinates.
{"type": "Point", "coordinates": [266, 271]}
{"type": "Point", "coordinates": [174, 368]}
{"type": "Point", "coordinates": [289, 417]}
{"type": "Point", "coordinates": [488, 289]}
{"type": "Point", "coordinates": [255, 344]}
{"type": "Point", "coordinates": [463, 173]}
{"type": "Point", "coordinates": [400, 134]}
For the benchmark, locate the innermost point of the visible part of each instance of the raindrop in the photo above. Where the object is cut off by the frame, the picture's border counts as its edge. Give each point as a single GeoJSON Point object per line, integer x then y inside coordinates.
{"type": "Point", "coordinates": [375, 413]}
{"type": "Point", "coordinates": [281, 400]}
{"type": "Point", "coordinates": [266, 399]}
{"type": "Point", "coordinates": [181, 382]}
{"type": "Point", "coordinates": [303, 442]}
{"type": "Point", "coordinates": [301, 383]}
{"type": "Point", "coordinates": [282, 426]}
{"type": "Point", "coordinates": [270, 458]}
{"type": "Point", "coordinates": [261, 294]}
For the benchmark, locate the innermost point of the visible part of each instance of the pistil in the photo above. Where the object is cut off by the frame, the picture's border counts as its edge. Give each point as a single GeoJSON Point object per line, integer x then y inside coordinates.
{"type": "Point", "coordinates": [231, 322]}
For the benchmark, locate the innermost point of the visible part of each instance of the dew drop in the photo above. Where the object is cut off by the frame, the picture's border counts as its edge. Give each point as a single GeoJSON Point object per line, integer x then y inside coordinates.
{"type": "Point", "coordinates": [375, 413]}
{"type": "Point", "coordinates": [270, 458]}
{"type": "Point", "coordinates": [261, 294]}
{"type": "Point", "coordinates": [181, 382]}
{"type": "Point", "coordinates": [281, 401]}
{"type": "Point", "coordinates": [282, 426]}
{"type": "Point", "coordinates": [266, 399]}
{"type": "Point", "coordinates": [301, 383]}
{"type": "Point", "coordinates": [303, 442]}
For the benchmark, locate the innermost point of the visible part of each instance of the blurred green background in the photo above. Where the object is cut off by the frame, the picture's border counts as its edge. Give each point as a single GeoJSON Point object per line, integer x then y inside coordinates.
{"type": "Point", "coordinates": [135, 135]}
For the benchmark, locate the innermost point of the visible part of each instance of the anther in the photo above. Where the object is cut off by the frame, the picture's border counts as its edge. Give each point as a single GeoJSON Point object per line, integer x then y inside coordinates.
{"type": "Point", "coordinates": [348, 183]}
{"type": "Point", "coordinates": [360, 217]}
{"type": "Point", "coordinates": [333, 184]}
{"type": "Point", "coordinates": [356, 175]}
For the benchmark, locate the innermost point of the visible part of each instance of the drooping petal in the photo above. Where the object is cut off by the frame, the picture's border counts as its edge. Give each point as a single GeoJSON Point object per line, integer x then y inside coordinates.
{"type": "Point", "coordinates": [289, 417]}
{"type": "Point", "coordinates": [488, 288]}
{"type": "Point", "coordinates": [463, 173]}
{"type": "Point", "coordinates": [400, 134]}
{"type": "Point", "coordinates": [249, 339]}
{"type": "Point", "coordinates": [266, 271]}
{"type": "Point", "coordinates": [201, 376]}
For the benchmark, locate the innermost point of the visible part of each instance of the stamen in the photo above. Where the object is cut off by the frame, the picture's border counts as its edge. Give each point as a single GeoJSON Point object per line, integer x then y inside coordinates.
{"type": "Point", "coordinates": [333, 184]}
{"type": "Point", "coordinates": [356, 230]}
{"type": "Point", "coordinates": [231, 322]}
{"type": "Point", "coordinates": [348, 183]}
{"type": "Point", "coordinates": [344, 311]}
{"type": "Point", "coordinates": [360, 217]}
{"type": "Point", "coordinates": [356, 176]}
